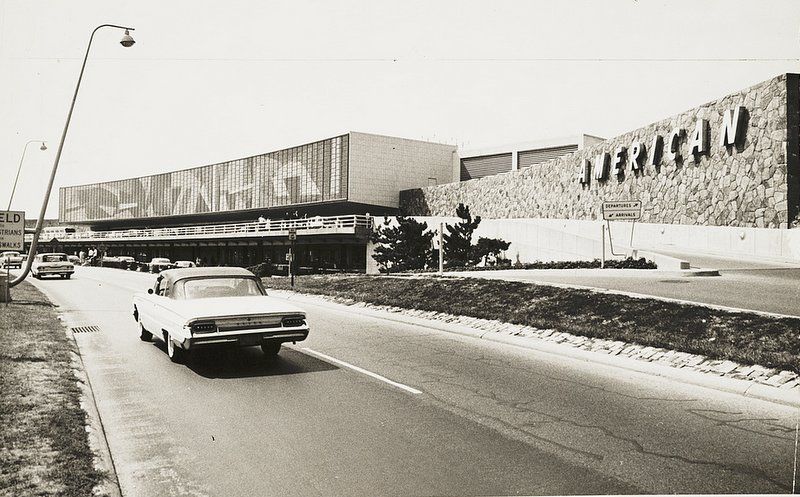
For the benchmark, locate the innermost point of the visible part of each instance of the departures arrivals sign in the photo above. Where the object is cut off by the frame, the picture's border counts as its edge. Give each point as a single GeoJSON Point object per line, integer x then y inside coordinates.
{"type": "Point", "coordinates": [12, 230]}
{"type": "Point", "coordinates": [622, 210]}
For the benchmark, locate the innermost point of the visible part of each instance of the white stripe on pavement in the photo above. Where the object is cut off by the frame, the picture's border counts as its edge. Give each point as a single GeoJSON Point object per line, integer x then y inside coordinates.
{"type": "Point", "coordinates": [363, 371]}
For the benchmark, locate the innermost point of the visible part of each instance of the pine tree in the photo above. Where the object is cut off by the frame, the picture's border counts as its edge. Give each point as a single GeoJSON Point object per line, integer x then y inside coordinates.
{"type": "Point", "coordinates": [458, 239]}
{"type": "Point", "coordinates": [404, 246]}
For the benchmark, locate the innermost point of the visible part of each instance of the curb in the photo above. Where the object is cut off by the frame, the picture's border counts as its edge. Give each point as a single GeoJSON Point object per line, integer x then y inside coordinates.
{"type": "Point", "coordinates": [750, 389]}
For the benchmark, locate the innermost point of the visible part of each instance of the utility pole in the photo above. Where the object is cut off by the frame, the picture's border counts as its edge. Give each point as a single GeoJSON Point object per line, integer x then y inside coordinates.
{"type": "Point", "coordinates": [292, 240]}
{"type": "Point", "coordinates": [441, 249]}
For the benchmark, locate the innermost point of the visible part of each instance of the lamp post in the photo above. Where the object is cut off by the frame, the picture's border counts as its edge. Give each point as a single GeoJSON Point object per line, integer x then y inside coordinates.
{"type": "Point", "coordinates": [19, 168]}
{"type": "Point", "coordinates": [126, 41]}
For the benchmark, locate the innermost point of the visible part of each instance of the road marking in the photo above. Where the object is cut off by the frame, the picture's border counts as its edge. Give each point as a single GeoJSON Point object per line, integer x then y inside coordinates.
{"type": "Point", "coordinates": [363, 371]}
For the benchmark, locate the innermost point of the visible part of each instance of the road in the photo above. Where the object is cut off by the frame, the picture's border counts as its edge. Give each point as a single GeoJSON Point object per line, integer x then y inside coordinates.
{"type": "Point", "coordinates": [759, 287]}
{"type": "Point", "coordinates": [489, 419]}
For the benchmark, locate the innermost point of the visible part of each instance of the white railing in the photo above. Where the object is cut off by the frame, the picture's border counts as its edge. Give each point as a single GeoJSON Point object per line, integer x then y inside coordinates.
{"type": "Point", "coordinates": [275, 227]}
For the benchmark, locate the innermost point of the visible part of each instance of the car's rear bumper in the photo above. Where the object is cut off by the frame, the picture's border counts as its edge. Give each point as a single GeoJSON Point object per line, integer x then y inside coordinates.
{"type": "Point", "coordinates": [247, 338]}
{"type": "Point", "coordinates": [51, 272]}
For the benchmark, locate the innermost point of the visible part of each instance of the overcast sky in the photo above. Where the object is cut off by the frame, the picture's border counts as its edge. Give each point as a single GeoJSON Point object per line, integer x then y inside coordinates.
{"type": "Point", "coordinates": [209, 81]}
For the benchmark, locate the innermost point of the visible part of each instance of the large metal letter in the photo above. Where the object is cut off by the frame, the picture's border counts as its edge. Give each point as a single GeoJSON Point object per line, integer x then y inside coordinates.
{"type": "Point", "coordinates": [656, 149]}
{"type": "Point", "coordinates": [674, 145]}
{"type": "Point", "coordinates": [699, 143]}
{"type": "Point", "coordinates": [635, 156]}
{"type": "Point", "coordinates": [731, 130]}
{"type": "Point", "coordinates": [585, 173]}
{"type": "Point", "coordinates": [601, 166]}
{"type": "Point", "coordinates": [618, 163]}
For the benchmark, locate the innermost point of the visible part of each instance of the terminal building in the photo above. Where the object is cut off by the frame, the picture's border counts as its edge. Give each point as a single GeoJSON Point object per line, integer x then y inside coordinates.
{"type": "Point", "coordinates": [721, 178]}
{"type": "Point", "coordinates": [239, 212]}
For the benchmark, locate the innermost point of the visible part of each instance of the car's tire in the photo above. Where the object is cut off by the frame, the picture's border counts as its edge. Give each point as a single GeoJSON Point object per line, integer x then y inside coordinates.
{"type": "Point", "coordinates": [271, 349]}
{"type": "Point", "coordinates": [144, 335]}
{"type": "Point", "coordinates": [174, 353]}
{"type": "Point", "coordinates": [67, 276]}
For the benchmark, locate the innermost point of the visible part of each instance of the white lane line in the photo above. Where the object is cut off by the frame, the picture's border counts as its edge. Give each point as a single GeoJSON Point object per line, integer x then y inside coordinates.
{"type": "Point", "coordinates": [363, 371]}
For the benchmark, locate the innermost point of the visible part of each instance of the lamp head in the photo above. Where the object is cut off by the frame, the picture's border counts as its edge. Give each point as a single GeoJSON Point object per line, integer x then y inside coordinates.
{"type": "Point", "coordinates": [127, 40]}
{"type": "Point", "coordinates": [43, 147]}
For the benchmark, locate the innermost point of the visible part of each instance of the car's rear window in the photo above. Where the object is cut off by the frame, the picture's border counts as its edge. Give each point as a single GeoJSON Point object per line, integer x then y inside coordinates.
{"type": "Point", "coordinates": [226, 286]}
{"type": "Point", "coordinates": [54, 258]}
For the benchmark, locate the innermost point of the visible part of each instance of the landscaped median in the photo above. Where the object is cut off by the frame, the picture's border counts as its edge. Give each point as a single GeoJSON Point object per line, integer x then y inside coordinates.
{"type": "Point", "coordinates": [746, 338]}
{"type": "Point", "coordinates": [44, 449]}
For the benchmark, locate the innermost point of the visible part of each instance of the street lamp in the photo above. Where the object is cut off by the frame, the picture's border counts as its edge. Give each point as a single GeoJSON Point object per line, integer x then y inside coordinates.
{"type": "Point", "coordinates": [19, 168]}
{"type": "Point", "coordinates": [126, 41]}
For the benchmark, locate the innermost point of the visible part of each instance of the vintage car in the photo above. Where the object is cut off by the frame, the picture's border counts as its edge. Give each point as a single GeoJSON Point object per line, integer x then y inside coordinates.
{"type": "Point", "coordinates": [184, 264]}
{"type": "Point", "coordinates": [158, 264]}
{"type": "Point", "coordinates": [197, 307]}
{"type": "Point", "coordinates": [10, 259]}
{"type": "Point", "coordinates": [51, 264]}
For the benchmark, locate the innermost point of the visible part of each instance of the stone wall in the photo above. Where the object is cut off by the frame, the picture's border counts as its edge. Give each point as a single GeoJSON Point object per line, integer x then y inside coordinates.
{"type": "Point", "coordinates": [747, 184]}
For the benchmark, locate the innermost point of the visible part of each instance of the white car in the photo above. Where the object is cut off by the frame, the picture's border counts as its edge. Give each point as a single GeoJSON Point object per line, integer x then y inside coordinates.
{"type": "Point", "coordinates": [184, 264]}
{"type": "Point", "coordinates": [198, 307]}
{"type": "Point", "coordinates": [52, 264]}
{"type": "Point", "coordinates": [158, 264]}
{"type": "Point", "coordinates": [10, 259]}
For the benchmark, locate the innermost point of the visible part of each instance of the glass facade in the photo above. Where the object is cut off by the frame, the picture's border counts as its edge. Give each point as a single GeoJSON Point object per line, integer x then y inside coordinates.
{"type": "Point", "coordinates": [315, 172]}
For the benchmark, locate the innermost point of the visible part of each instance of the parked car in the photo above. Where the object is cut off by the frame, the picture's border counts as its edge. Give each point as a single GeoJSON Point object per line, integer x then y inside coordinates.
{"type": "Point", "coordinates": [158, 264]}
{"type": "Point", "coordinates": [197, 307]}
{"type": "Point", "coordinates": [10, 259]}
{"type": "Point", "coordinates": [74, 259]}
{"type": "Point", "coordinates": [109, 261]}
{"type": "Point", "coordinates": [127, 262]}
{"type": "Point", "coordinates": [51, 264]}
{"type": "Point", "coordinates": [184, 264]}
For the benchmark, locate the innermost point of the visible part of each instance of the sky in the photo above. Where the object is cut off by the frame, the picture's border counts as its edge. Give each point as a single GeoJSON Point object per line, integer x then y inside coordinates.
{"type": "Point", "coordinates": [210, 81]}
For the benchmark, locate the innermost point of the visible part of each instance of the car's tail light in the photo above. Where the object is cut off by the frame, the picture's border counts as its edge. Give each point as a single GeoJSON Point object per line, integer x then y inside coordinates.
{"type": "Point", "coordinates": [204, 327]}
{"type": "Point", "coordinates": [293, 321]}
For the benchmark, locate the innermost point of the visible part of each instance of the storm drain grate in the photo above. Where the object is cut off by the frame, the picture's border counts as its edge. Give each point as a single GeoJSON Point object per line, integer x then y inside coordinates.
{"type": "Point", "coordinates": [85, 329]}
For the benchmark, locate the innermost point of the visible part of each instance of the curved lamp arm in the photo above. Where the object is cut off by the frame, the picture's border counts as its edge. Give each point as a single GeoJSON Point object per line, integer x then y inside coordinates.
{"type": "Point", "coordinates": [35, 243]}
{"type": "Point", "coordinates": [19, 168]}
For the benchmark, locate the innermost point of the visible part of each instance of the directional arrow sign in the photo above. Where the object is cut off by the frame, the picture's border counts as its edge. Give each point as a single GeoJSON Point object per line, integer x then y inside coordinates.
{"type": "Point", "coordinates": [630, 210]}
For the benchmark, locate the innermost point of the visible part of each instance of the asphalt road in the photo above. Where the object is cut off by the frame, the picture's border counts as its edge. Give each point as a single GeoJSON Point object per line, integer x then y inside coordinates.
{"type": "Point", "coordinates": [489, 419]}
{"type": "Point", "coordinates": [743, 286]}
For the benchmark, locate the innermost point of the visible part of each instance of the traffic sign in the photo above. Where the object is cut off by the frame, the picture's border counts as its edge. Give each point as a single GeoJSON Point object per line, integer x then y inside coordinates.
{"type": "Point", "coordinates": [292, 234]}
{"type": "Point", "coordinates": [12, 230]}
{"type": "Point", "coordinates": [628, 210]}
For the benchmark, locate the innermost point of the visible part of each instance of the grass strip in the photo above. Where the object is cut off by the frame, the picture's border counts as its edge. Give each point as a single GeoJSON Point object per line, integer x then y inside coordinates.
{"type": "Point", "coordinates": [44, 447]}
{"type": "Point", "coordinates": [747, 338]}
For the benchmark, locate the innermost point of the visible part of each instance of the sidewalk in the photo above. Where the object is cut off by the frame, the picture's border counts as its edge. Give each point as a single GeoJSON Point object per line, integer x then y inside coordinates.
{"type": "Point", "coordinates": [750, 381]}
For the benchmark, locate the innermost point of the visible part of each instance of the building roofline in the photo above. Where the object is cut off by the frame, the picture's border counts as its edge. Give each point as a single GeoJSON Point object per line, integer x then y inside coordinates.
{"type": "Point", "coordinates": [579, 140]}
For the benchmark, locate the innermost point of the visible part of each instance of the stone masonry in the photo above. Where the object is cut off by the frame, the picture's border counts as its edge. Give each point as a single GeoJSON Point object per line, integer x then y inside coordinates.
{"type": "Point", "coordinates": [749, 184]}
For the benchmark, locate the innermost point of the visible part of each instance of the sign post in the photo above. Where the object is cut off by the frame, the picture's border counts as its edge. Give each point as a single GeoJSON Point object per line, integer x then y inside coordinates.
{"type": "Point", "coordinates": [292, 240]}
{"type": "Point", "coordinates": [621, 210]}
{"type": "Point", "coordinates": [12, 237]}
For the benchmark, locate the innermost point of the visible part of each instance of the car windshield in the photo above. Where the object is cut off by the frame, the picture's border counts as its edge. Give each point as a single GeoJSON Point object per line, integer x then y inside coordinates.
{"type": "Point", "coordinates": [10, 254]}
{"type": "Point", "coordinates": [54, 258]}
{"type": "Point", "coordinates": [204, 288]}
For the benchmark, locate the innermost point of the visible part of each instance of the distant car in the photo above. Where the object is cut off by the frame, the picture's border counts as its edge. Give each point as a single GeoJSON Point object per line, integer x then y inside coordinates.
{"type": "Point", "coordinates": [74, 259]}
{"type": "Point", "coordinates": [158, 264]}
{"type": "Point", "coordinates": [10, 259]}
{"type": "Point", "coordinates": [109, 261]}
{"type": "Point", "coordinates": [197, 307]}
{"type": "Point", "coordinates": [179, 264]}
{"type": "Point", "coordinates": [126, 262]}
{"type": "Point", "coordinates": [51, 264]}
